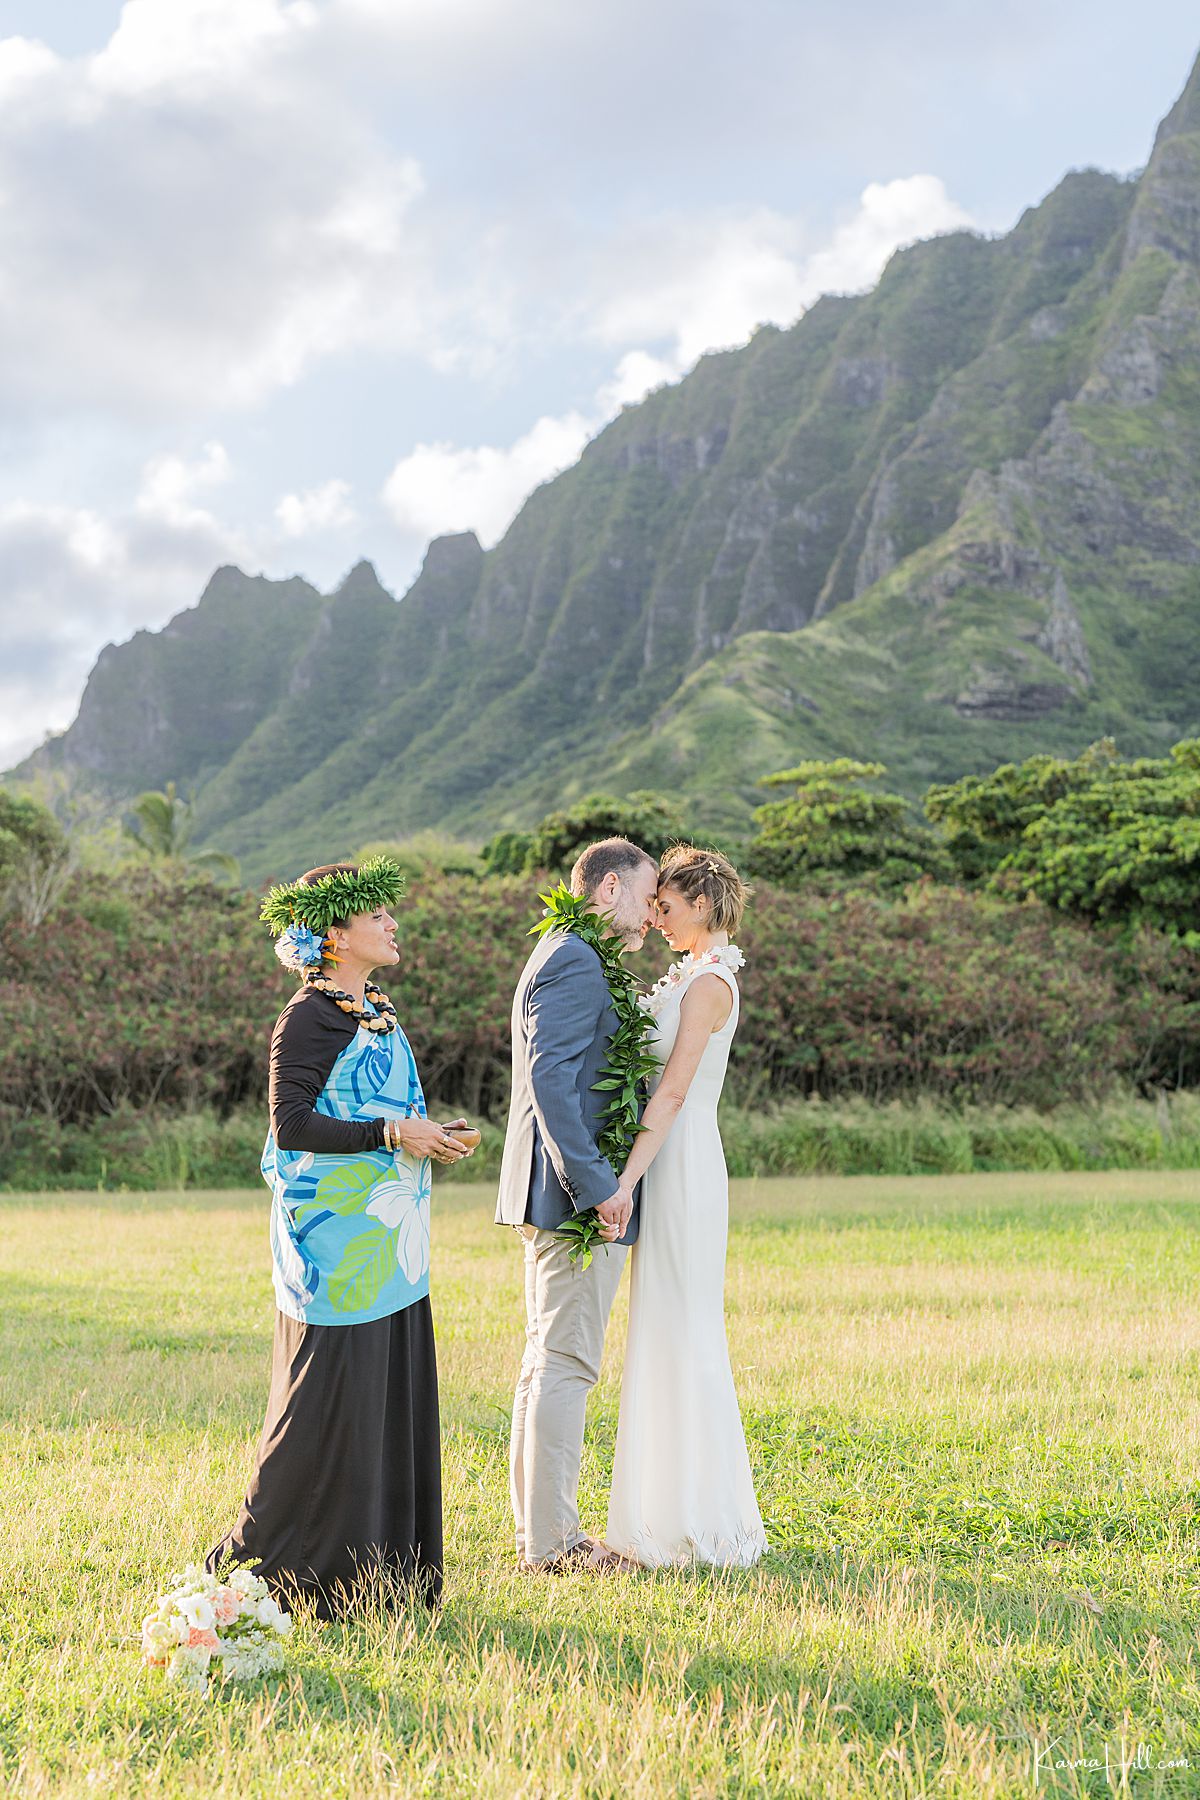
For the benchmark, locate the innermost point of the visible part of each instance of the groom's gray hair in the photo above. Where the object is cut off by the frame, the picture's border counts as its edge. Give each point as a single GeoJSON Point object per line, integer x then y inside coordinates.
{"type": "Point", "coordinates": [615, 855]}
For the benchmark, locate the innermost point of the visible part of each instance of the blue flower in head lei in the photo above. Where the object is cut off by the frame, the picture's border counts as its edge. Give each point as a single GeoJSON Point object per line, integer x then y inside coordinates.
{"type": "Point", "coordinates": [298, 947]}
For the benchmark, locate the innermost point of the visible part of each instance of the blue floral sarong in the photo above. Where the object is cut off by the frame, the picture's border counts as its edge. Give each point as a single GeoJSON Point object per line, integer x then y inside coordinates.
{"type": "Point", "coordinates": [350, 1234]}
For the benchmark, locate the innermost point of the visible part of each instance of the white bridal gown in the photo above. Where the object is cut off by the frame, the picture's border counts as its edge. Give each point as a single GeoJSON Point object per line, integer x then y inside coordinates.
{"type": "Point", "coordinates": [682, 1489]}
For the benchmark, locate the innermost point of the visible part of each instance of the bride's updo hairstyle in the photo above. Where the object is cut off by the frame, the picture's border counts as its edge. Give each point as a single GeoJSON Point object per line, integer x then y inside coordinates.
{"type": "Point", "coordinates": [692, 872]}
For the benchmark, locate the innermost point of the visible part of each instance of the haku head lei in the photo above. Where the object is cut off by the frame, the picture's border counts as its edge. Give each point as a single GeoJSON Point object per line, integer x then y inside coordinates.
{"type": "Point", "coordinates": [300, 916]}
{"type": "Point", "coordinates": [317, 906]}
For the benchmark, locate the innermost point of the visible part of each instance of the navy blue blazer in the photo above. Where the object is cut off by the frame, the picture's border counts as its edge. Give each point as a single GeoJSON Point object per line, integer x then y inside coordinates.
{"type": "Point", "coordinates": [562, 1023]}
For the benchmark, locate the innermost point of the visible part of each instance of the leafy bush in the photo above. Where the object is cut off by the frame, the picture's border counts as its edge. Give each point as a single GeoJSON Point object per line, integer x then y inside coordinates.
{"type": "Point", "coordinates": [150, 989]}
{"type": "Point", "coordinates": [1116, 842]}
{"type": "Point", "coordinates": [983, 818]}
{"type": "Point", "coordinates": [647, 819]}
{"type": "Point", "coordinates": [144, 1150]}
{"type": "Point", "coordinates": [833, 825]}
{"type": "Point", "coordinates": [36, 859]}
{"type": "Point", "coordinates": [424, 853]}
{"type": "Point", "coordinates": [26, 828]}
{"type": "Point", "coordinates": [953, 995]}
{"type": "Point", "coordinates": [1126, 848]}
{"type": "Point", "coordinates": [154, 992]}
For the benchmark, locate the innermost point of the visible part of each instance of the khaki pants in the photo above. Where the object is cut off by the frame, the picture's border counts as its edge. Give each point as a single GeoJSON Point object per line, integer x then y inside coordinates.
{"type": "Point", "coordinates": [566, 1312]}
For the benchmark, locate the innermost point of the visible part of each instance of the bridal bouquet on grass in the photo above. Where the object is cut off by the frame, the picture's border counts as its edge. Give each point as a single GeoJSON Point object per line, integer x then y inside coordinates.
{"type": "Point", "coordinates": [203, 1619]}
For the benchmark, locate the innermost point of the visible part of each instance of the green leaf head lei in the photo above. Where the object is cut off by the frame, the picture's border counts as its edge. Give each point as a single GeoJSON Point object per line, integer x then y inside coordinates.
{"type": "Point", "coordinates": [333, 897]}
{"type": "Point", "coordinates": [300, 915]}
{"type": "Point", "coordinates": [630, 1061]}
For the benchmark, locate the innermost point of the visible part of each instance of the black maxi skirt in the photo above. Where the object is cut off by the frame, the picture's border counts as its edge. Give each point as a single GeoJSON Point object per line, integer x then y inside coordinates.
{"type": "Point", "coordinates": [346, 1495]}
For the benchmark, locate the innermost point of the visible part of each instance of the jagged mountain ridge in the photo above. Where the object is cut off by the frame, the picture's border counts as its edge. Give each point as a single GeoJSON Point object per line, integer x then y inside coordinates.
{"type": "Point", "coordinates": [946, 522]}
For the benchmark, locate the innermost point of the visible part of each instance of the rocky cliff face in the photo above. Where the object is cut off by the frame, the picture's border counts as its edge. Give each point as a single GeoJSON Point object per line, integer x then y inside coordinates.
{"type": "Point", "coordinates": [175, 704]}
{"type": "Point", "coordinates": [948, 521]}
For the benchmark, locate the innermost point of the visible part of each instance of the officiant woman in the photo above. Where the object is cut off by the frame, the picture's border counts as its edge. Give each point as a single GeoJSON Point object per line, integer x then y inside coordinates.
{"type": "Point", "coordinates": [346, 1491]}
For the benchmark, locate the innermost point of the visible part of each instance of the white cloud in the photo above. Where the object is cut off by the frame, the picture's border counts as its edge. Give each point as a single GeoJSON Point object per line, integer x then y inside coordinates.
{"type": "Point", "coordinates": [76, 579]}
{"type": "Point", "coordinates": [437, 488]}
{"type": "Point", "coordinates": [213, 204]}
{"type": "Point", "coordinates": [890, 214]}
{"type": "Point", "coordinates": [191, 219]}
{"type": "Point", "coordinates": [705, 284]}
{"type": "Point", "coordinates": [637, 374]}
{"type": "Point", "coordinates": [24, 63]}
{"type": "Point", "coordinates": [324, 508]}
{"type": "Point", "coordinates": [698, 289]}
{"type": "Point", "coordinates": [168, 483]}
{"type": "Point", "coordinates": [192, 41]}
{"type": "Point", "coordinates": [232, 192]}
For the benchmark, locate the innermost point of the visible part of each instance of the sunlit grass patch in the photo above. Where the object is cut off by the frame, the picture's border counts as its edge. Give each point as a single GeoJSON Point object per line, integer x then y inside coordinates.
{"type": "Point", "coordinates": [972, 1410]}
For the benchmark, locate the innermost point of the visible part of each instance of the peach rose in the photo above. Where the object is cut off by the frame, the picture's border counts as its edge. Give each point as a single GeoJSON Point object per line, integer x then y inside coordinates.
{"type": "Point", "coordinates": [226, 1605]}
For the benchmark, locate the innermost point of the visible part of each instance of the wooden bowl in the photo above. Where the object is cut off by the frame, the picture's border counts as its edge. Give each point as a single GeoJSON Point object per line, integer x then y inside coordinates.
{"type": "Point", "coordinates": [467, 1136]}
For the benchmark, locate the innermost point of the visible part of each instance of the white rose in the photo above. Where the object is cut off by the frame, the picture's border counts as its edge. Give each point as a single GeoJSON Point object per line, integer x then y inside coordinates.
{"type": "Point", "coordinates": [273, 1617]}
{"type": "Point", "coordinates": [198, 1612]}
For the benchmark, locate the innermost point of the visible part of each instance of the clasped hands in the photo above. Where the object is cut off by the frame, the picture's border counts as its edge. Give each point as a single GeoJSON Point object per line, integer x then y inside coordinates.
{"type": "Point", "coordinates": [614, 1215]}
{"type": "Point", "coordinates": [425, 1137]}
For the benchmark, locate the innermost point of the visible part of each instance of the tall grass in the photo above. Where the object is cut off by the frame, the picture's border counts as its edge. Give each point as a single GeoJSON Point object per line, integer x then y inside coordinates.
{"type": "Point", "coordinates": [972, 1411]}
{"type": "Point", "coordinates": [145, 1151]}
{"type": "Point", "coordinates": [857, 1138]}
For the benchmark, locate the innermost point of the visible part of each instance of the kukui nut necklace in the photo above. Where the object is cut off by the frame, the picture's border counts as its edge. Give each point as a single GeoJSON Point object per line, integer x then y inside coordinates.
{"type": "Point", "coordinates": [383, 1019]}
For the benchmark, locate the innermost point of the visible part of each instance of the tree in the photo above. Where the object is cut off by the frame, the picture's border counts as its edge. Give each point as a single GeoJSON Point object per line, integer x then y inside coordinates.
{"type": "Point", "coordinates": [1124, 847]}
{"type": "Point", "coordinates": [983, 818]}
{"type": "Point", "coordinates": [164, 831]}
{"type": "Point", "coordinates": [507, 853]}
{"type": "Point", "coordinates": [832, 825]}
{"type": "Point", "coordinates": [26, 826]}
{"type": "Point", "coordinates": [423, 854]}
{"type": "Point", "coordinates": [650, 820]}
{"type": "Point", "coordinates": [36, 858]}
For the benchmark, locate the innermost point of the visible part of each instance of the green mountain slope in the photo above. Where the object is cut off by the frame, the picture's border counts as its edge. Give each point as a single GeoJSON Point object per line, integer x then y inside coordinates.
{"type": "Point", "coordinates": [947, 522]}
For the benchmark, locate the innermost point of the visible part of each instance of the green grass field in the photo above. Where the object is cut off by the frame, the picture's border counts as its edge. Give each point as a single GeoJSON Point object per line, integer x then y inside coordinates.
{"type": "Point", "coordinates": [972, 1405]}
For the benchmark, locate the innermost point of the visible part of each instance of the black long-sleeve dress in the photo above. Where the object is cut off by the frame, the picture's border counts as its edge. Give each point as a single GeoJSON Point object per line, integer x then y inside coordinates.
{"type": "Point", "coordinates": [345, 1497]}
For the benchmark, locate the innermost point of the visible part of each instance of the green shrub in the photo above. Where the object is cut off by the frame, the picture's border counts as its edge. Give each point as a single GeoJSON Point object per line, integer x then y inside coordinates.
{"type": "Point", "coordinates": [155, 990]}
{"type": "Point", "coordinates": [832, 824]}
{"type": "Point", "coordinates": [650, 820]}
{"type": "Point", "coordinates": [1100, 838]}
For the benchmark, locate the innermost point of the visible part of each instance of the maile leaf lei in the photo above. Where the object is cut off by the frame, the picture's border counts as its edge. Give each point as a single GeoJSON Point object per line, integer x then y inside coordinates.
{"type": "Point", "coordinates": [630, 1061]}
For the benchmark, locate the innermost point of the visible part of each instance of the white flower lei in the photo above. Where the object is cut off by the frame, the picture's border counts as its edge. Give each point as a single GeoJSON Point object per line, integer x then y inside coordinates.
{"type": "Point", "coordinates": [727, 954]}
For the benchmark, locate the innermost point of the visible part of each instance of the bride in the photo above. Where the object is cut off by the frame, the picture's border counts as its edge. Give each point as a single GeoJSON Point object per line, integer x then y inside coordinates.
{"type": "Point", "coordinates": [682, 1489]}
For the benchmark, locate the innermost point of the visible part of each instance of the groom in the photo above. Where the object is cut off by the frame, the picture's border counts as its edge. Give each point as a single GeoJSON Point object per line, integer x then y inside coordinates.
{"type": "Point", "coordinates": [562, 1021]}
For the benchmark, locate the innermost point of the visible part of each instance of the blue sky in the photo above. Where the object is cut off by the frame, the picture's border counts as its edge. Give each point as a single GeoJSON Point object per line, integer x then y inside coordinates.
{"type": "Point", "coordinates": [290, 282]}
